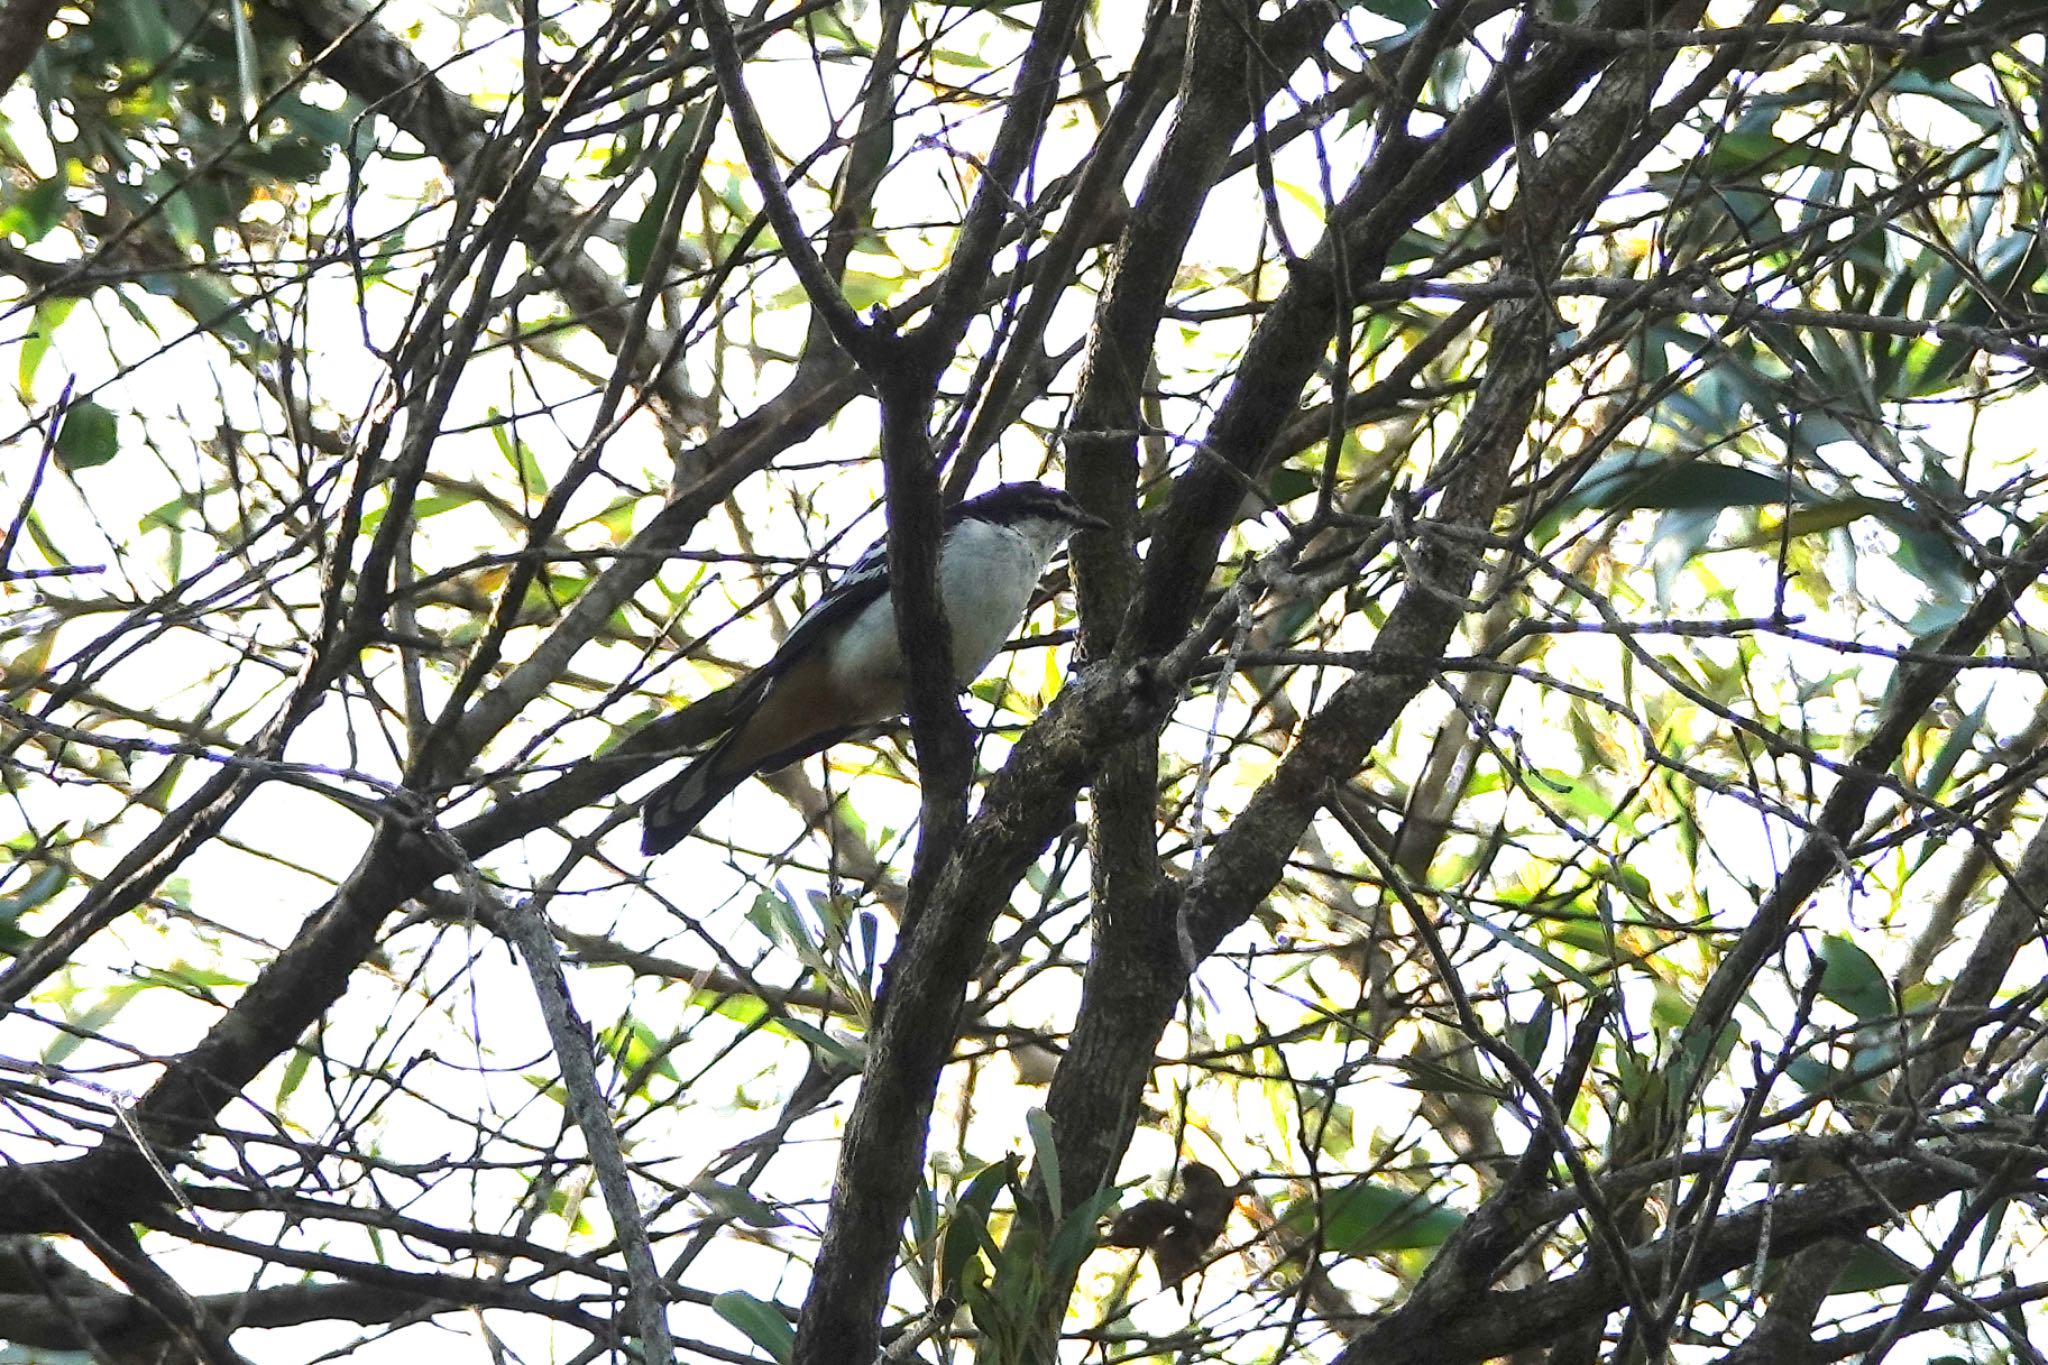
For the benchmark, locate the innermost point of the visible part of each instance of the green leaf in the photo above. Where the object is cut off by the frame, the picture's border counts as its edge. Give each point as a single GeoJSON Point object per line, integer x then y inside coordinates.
{"type": "Point", "coordinates": [1852, 979]}
{"type": "Point", "coordinates": [1436, 1079]}
{"type": "Point", "coordinates": [869, 935]}
{"type": "Point", "coordinates": [1871, 1267]}
{"type": "Point", "coordinates": [533, 480]}
{"type": "Point", "coordinates": [216, 308]}
{"type": "Point", "coordinates": [2009, 267]}
{"type": "Point", "coordinates": [31, 214]}
{"type": "Point", "coordinates": [90, 436]}
{"type": "Point", "coordinates": [1533, 949]}
{"type": "Point", "coordinates": [774, 913]}
{"type": "Point", "coordinates": [83, 1026]}
{"type": "Point", "coordinates": [632, 1045]}
{"type": "Point", "coordinates": [617, 519]}
{"type": "Point", "coordinates": [1289, 483]}
{"type": "Point", "coordinates": [1670, 1010]}
{"type": "Point", "coordinates": [1961, 740]}
{"type": "Point", "coordinates": [43, 885]}
{"type": "Point", "coordinates": [668, 169]}
{"type": "Point", "coordinates": [143, 31]}
{"type": "Point", "coordinates": [967, 1230]}
{"type": "Point", "coordinates": [182, 975]}
{"type": "Point", "coordinates": [1679, 536]}
{"type": "Point", "coordinates": [1910, 82]}
{"type": "Point", "coordinates": [42, 332]}
{"type": "Point", "coordinates": [246, 77]}
{"type": "Point", "coordinates": [1039, 1124]}
{"type": "Point", "coordinates": [1367, 1217]}
{"type": "Point", "coordinates": [1743, 150]}
{"type": "Point", "coordinates": [312, 123]}
{"type": "Point", "coordinates": [843, 1051]}
{"type": "Point", "coordinates": [1927, 553]}
{"type": "Point", "coordinates": [763, 1323]}
{"type": "Point", "coordinates": [566, 1203]}
{"type": "Point", "coordinates": [1075, 1239]}
{"type": "Point", "coordinates": [1643, 478]}
{"type": "Point", "coordinates": [742, 1009]}
{"type": "Point", "coordinates": [1409, 14]}
{"type": "Point", "coordinates": [742, 1205]}
{"type": "Point", "coordinates": [294, 1073]}
{"type": "Point", "coordinates": [865, 289]}
{"type": "Point", "coordinates": [1529, 1038]}
{"type": "Point", "coordinates": [924, 1236]}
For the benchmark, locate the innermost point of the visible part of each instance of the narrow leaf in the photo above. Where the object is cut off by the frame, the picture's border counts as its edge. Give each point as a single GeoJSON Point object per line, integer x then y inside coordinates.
{"type": "Point", "coordinates": [764, 1324]}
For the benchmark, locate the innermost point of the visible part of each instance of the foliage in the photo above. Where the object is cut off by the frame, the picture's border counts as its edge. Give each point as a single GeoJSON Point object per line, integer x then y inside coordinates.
{"type": "Point", "coordinates": [1537, 788]}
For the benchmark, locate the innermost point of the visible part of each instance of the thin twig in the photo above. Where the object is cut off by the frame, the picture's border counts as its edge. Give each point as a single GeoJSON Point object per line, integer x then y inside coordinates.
{"type": "Point", "coordinates": [35, 484]}
{"type": "Point", "coordinates": [523, 925]}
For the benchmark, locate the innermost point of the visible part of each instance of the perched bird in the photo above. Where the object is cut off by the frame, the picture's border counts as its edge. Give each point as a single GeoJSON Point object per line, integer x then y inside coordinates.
{"type": "Point", "coordinates": [841, 668]}
{"type": "Point", "coordinates": [1205, 1203]}
{"type": "Point", "coordinates": [1142, 1224]}
{"type": "Point", "coordinates": [1179, 1232]}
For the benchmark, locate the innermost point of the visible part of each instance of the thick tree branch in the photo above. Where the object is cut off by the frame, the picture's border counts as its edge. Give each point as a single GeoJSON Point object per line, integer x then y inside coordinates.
{"type": "Point", "coordinates": [1099, 186]}
{"type": "Point", "coordinates": [1504, 1322]}
{"type": "Point", "coordinates": [1405, 178]}
{"type": "Point", "coordinates": [1094, 1105]}
{"type": "Point", "coordinates": [938, 730]}
{"type": "Point", "coordinates": [78, 1321]}
{"type": "Point", "coordinates": [1025, 804]}
{"type": "Point", "coordinates": [24, 24]}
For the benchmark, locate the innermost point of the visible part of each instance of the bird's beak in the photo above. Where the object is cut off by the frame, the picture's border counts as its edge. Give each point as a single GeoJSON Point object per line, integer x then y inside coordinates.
{"type": "Point", "coordinates": [1088, 522]}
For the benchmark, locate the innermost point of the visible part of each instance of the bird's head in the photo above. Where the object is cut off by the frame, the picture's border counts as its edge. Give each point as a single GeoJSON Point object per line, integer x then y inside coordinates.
{"type": "Point", "coordinates": [1046, 513]}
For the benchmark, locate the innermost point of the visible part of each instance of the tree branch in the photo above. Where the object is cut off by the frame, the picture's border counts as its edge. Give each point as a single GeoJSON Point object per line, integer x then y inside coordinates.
{"type": "Point", "coordinates": [819, 287]}
{"type": "Point", "coordinates": [24, 26]}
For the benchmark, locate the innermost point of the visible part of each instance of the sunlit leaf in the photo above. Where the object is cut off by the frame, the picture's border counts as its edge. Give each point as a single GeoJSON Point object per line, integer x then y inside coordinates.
{"type": "Point", "coordinates": [90, 436]}
{"type": "Point", "coordinates": [1852, 979]}
{"type": "Point", "coordinates": [1368, 1217]}
{"type": "Point", "coordinates": [1642, 479]}
{"type": "Point", "coordinates": [736, 1202]}
{"type": "Point", "coordinates": [1039, 1125]}
{"type": "Point", "coordinates": [31, 214]}
{"type": "Point", "coordinates": [762, 1323]}
{"type": "Point", "coordinates": [966, 1231]}
{"type": "Point", "coordinates": [43, 884]}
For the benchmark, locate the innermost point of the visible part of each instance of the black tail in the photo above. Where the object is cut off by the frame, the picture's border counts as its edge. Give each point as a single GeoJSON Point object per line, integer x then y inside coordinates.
{"type": "Point", "coordinates": [676, 807]}
{"type": "Point", "coordinates": [674, 810]}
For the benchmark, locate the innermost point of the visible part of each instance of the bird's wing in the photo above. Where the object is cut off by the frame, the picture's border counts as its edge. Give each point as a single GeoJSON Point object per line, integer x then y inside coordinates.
{"type": "Point", "coordinates": [852, 591]}
{"type": "Point", "coordinates": [848, 596]}
{"type": "Point", "coordinates": [675, 808]}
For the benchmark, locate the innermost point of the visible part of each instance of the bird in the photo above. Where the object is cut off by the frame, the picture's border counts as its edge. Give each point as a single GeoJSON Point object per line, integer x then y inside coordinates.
{"type": "Point", "coordinates": [841, 668]}
{"type": "Point", "coordinates": [1205, 1203]}
{"type": "Point", "coordinates": [1179, 1232]}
